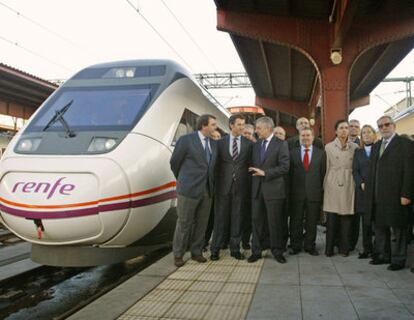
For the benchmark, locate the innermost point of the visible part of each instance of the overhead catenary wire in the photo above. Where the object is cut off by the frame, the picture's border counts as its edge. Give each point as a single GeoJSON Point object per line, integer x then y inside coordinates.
{"type": "Point", "coordinates": [159, 35]}
{"type": "Point", "coordinates": [34, 53]}
{"type": "Point", "coordinates": [189, 36]}
{"type": "Point", "coordinates": [38, 24]}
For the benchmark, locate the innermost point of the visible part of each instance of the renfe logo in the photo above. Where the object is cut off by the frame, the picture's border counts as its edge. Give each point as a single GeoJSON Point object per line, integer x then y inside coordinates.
{"type": "Point", "coordinates": [44, 187]}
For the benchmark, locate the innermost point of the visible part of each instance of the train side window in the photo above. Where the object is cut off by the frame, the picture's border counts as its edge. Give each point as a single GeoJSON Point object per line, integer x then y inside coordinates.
{"type": "Point", "coordinates": [188, 123]}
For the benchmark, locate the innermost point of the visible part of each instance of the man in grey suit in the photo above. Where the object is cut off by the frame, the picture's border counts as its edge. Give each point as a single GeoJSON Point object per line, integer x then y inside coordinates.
{"type": "Point", "coordinates": [192, 163]}
{"type": "Point", "coordinates": [307, 171]}
{"type": "Point", "coordinates": [270, 162]}
{"type": "Point", "coordinates": [232, 177]}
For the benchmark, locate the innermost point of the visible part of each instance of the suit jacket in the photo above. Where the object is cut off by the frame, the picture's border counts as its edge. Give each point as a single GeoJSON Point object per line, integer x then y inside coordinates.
{"type": "Point", "coordinates": [190, 167]}
{"type": "Point", "coordinates": [229, 172]}
{"type": "Point", "coordinates": [276, 167]}
{"type": "Point", "coordinates": [307, 185]}
{"type": "Point", "coordinates": [360, 171]}
{"type": "Point", "coordinates": [391, 177]}
{"type": "Point", "coordinates": [293, 143]}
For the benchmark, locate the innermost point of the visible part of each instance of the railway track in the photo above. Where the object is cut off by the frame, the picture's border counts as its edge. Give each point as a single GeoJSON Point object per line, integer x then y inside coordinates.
{"type": "Point", "coordinates": [56, 293]}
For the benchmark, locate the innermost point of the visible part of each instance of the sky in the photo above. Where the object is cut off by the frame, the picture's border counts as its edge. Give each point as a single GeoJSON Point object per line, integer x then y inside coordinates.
{"type": "Point", "coordinates": [55, 39]}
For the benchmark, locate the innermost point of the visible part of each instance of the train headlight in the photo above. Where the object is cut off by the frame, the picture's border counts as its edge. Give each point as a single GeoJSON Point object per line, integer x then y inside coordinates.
{"type": "Point", "coordinates": [101, 144]}
{"type": "Point", "coordinates": [28, 144]}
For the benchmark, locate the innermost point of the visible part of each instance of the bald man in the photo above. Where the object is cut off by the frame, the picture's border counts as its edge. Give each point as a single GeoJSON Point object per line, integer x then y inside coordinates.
{"type": "Point", "coordinates": [280, 133]}
{"type": "Point", "coordinates": [302, 123]}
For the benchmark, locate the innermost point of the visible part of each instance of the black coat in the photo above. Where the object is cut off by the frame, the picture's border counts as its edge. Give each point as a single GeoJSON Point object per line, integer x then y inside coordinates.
{"type": "Point", "coordinates": [307, 185]}
{"type": "Point", "coordinates": [276, 167]}
{"type": "Point", "coordinates": [229, 171]}
{"type": "Point", "coordinates": [391, 177]}
{"type": "Point", "coordinates": [189, 165]}
{"type": "Point", "coordinates": [360, 171]}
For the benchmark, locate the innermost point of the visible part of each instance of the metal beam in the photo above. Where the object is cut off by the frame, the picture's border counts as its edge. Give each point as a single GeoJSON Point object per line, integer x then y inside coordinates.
{"type": "Point", "coordinates": [291, 107]}
{"type": "Point", "coordinates": [266, 63]}
{"type": "Point", "coordinates": [347, 11]}
{"type": "Point", "coordinates": [377, 60]}
{"type": "Point", "coordinates": [223, 80]}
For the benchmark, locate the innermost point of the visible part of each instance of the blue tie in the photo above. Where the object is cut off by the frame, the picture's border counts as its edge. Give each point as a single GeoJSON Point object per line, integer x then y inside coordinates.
{"type": "Point", "coordinates": [263, 151]}
{"type": "Point", "coordinates": [207, 149]}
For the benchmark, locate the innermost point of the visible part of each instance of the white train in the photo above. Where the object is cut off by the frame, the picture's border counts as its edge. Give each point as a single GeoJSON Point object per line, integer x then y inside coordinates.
{"type": "Point", "coordinates": [87, 181]}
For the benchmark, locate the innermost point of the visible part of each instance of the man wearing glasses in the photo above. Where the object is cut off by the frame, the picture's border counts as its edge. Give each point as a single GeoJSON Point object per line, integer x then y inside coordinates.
{"type": "Point", "coordinates": [390, 190]}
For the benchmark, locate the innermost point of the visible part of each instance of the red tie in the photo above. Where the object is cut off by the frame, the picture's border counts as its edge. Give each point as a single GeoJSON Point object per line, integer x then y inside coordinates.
{"type": "Point", "coordinates": [306, 160]}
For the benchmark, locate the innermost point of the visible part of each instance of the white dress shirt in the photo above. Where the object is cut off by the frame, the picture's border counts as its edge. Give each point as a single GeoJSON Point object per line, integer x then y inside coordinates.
{"type": "Point", "coordinates": [203, 141]}
{"type": "Point", "coordinates": [302, 152]}
{"type": "Point", "coordinates": [268, 141]}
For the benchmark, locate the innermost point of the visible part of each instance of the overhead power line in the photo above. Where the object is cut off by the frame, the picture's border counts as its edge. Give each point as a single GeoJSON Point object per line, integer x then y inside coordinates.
{"type": "Point", "coordinates": [189, 35]}
{"type": "Point", "coordinates": [41, 26]}
{"type": "Point", "coordinates": [34, 53]}
{"type": "Point", "coordinates": [159, 34]}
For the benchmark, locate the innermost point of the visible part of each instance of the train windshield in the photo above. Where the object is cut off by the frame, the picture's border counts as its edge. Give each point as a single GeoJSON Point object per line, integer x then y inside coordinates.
{"type": "Point", "coordinates": [95, 109]}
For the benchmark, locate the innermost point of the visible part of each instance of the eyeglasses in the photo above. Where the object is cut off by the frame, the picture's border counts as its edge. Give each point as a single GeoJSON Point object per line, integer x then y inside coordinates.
{"type": "Point", "coordinates": [384, 125]}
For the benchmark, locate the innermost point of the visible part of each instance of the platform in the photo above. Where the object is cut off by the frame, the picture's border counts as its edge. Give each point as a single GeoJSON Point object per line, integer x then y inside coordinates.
{"type": "Point", "coordinates": [306, 287]}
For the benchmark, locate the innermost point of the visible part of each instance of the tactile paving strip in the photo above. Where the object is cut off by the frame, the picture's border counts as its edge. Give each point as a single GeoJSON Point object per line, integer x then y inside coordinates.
{"type": "Point", "coordinates": [221, 289]}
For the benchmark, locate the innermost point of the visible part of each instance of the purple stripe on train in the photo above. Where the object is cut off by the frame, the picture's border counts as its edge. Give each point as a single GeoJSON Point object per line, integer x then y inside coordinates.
{"type": "Point", "coordinates": [88, 211]}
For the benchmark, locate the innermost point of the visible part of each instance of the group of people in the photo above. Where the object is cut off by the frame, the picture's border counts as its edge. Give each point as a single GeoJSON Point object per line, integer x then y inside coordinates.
{"type": "Point", "coordinates": [271, 190]}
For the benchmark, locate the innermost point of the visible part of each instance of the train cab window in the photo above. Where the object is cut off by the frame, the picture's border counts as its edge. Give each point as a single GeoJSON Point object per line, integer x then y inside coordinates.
{"type": "Point", "coordinates": [188, 124]}
{"type": "Point", "coordinates": [92, 109]}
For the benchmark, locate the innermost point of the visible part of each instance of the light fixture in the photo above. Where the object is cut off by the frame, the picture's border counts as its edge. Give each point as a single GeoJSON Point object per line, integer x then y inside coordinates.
{"type": "Point", "coordinates": [336, 56]}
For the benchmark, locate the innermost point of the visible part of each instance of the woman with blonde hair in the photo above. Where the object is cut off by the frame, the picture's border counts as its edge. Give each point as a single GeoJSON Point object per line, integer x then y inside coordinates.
{"type": "Point", "coordinates": [339, 190]}
{"type": "Point", "coordinates": [360, 171]}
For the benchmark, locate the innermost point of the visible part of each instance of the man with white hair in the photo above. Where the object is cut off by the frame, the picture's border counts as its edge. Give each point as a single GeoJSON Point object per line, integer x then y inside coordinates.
{"type": "Point", "coordinates": [270, 165]}
{"type": "Point", "coordinates": [303, 123]}
{"type": "Point", "coordinates": [389, 194]}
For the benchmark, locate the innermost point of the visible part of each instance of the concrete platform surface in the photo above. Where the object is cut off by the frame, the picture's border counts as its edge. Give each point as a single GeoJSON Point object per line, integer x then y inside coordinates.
{"type": "Point", "coordinates": [306, 287]}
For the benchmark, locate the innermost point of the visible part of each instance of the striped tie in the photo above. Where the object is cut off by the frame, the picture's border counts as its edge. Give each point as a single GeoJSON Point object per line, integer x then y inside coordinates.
{"type": "Point", "coordinates": [235, 149]}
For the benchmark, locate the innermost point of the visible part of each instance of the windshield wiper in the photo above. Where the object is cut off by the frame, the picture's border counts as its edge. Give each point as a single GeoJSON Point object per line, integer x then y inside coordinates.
{"type": "Point", "coordinates": [59, 117]}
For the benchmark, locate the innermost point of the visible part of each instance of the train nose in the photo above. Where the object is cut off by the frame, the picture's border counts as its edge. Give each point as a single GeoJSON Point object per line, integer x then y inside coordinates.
{"type": "Point", "coordinates": [63, 206]}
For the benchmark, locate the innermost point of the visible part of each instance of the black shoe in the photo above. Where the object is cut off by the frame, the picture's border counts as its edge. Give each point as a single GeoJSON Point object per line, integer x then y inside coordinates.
{"type": "Point", "coordinates": [329, 254]}
{"type": "Point", "coordinates": [364, 255]}
{"type": "Point", "coordinates": [214, 257]}
{"type": "Point", "coordinates": [377, 261]}
{"type": "Point", "coordinates": [254, 258]}
{"type": "Point", "coordinates": [246, 246]}
{"type": "Point", "coordinates": [294, 251]}
{"type": "Point", "coordinates": [199, 258]}
{"type": "Point", "coordinates": [313, 252]}
{"type": "Point", "coordinates": [395, 267]}
{"type": "Point", "coordinates": [280, 258]}
{"type": "Point", "coordinates": [238, 255]}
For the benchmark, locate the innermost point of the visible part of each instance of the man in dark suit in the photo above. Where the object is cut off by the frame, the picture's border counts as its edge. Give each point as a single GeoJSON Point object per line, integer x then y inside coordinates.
{"type": "Point", "coordinates": [192, 163]}
{"type": "Point", "coordinates": [270, 164]}
{"type": "Point", "coordinates": [232, 181]}
{"type": "Point", "coordinates": [307, 171]}
{"type": "Point", "coordinates": [248, 133]}
{"type": "Point", "coordinates": [303, 123]}
{"type": "Point", "coordinates": [390, 190]}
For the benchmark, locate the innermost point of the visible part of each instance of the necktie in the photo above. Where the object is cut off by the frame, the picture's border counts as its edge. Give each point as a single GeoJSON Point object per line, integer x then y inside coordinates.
{"type": "Point", "coordinates": [306, 160]}
{"type": "Point", "coordinates": [383, 146]}
{"type": "Point", "coordinates": [235, 149]}
{"type": "Point", "coordinates": [263, 150]}
{"type": "Point", "coordinates": [207, 150]}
